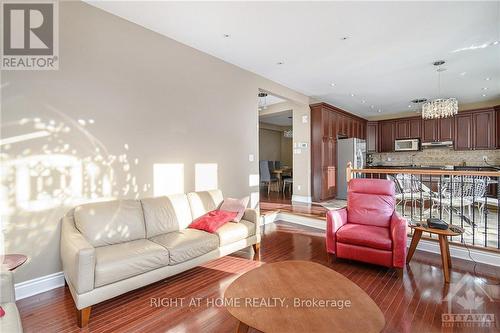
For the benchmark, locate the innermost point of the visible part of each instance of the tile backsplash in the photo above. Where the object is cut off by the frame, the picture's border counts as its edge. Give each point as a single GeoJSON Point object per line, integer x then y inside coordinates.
{"type": "Point", "coordinates": [438, 156]}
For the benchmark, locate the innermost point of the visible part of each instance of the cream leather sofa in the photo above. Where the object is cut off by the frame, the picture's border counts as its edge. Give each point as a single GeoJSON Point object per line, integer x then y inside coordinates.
{"type": "Point", "coordinates": [110, 248]}
{"type": "Point", "coordinates": [11, 321]}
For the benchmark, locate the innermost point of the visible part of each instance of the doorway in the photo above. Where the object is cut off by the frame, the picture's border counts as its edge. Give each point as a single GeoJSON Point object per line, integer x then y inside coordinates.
{"type": "Point", "coordinates": [275, 149]}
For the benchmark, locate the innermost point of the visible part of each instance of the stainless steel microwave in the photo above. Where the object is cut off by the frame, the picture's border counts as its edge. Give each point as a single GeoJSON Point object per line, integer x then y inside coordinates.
{"type": "Point", "coordinates": [407, 145]}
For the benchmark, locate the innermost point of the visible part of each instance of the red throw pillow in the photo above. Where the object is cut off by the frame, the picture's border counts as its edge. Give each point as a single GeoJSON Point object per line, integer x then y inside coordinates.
{"type": "Point", "coordinates": [213, 220]}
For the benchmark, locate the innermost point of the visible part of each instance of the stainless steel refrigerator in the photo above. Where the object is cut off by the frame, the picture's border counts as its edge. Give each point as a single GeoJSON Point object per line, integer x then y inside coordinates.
{"type": "Point", "coordinates": [348, 150]}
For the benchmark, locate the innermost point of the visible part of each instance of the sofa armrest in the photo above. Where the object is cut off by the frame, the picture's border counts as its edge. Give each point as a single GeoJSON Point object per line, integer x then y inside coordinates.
{"type": "Point", "coordinates": [399, 239]}
{"type": "Point", "coordinates": [334, 220]}
{"type": "Point", "coordinates": [252, 216]}
{"type": "Point", "coordinates": [78, 257]}
{"type": "Point", "coordinates": [7, 294]}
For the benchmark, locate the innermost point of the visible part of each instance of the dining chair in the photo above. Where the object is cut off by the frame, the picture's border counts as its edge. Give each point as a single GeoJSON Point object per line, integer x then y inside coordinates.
{"type": "Point", "coordinates": [265, 175]}
{"type": "Point", "coordinates": [287, 181]}
{"type": "Point", "coordinates": [458, 192]}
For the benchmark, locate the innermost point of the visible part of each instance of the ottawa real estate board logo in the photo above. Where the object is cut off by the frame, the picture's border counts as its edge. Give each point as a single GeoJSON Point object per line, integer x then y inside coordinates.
{"type": "Point", "coordinates": [30, 35]}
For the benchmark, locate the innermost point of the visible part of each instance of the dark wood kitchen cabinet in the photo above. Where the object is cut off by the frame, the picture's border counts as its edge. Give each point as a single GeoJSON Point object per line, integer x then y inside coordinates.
{"type": "Point", "coordinates": [402, 129]}
{"type": "Point", "coordinates": [476, 130]}
{"type": "Point", "coordinates": [415, 128]}
{"type": "Point", "coordinates": [328, 123]}
{"type": "Point", "coordinates": [386, 136]}
{"type": "Point", "coordinates": [446, 129]}
{"type": "Point", "coordinates": [408, 128]}
{"type": "Point", "coordinates": [429, 130]}
{"type": "Point", "coordinates": [434, 130]}
{"type": "Point", "coordinates": [484, 129]}
{"type": "Point", "coordinates": [463, 125]}
{"type": "Point", "coordinates": [497, 129]}
{"type": "Point", "coordinates": [372, 136]}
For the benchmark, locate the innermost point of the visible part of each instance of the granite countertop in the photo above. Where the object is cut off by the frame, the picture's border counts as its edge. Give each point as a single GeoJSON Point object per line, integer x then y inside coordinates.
{"type": "Point", "coordinates": [434, 167]}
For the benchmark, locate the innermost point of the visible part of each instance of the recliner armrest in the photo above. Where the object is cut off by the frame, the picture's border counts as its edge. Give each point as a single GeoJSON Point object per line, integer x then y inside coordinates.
{"type": "Point", "coordinates": [335, 219]}
{"type": "Point", "coordinates": [78, 257]}
{"type": "Point", "coordinates": [7, 294]}
{"type": "Point", "coordinates": [399, 239]}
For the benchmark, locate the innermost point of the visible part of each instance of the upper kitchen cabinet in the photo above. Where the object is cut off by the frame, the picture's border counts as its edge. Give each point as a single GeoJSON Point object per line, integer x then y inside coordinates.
{"type": "Point", "coordinates": [429, 130]}
{"type": "Point", "coordinates": [476, 130]}
{"type": "Point", "coordinates": [484, 129]}
{"type": "Point", "coordinates": [446, 129]}
{"type": "Point", "coordinates": [407, 128]}
{"type": "Point", "coordinates": [434, 130]}
{"type": "Point", "coordinates": [463, 125]}
{"type": "Point", "coordinates": [386, 136]}
{"type": "Point", "coordinates": [415, 128]}
{"type": "Point", "coordinates": [497, 108]}
{"type": "Point", "coordinates": [372, 137]}
{"type": "Point", "coordinates": [402, 128]}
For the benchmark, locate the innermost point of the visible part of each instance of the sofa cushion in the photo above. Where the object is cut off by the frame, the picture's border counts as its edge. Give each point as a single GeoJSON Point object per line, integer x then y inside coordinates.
{"type": "Point", "coordinates": [213, 220]}
{"type": "Point", "coordinates": [235, 205]}
{"type": "Point", "coordinates": [166, 214]}
{"type": "Point", "coordinates": [365, 235]}
{"type": "Point", "coordinates": [233, 232]}
{"type": "Point", "coordinates": [122, 261]}
{"type": "Point", "coordinates": [111, 222]}
{"type": "Point", "coordinates": [11, 321]}
{"type": "Point", "coordinates": [187, 244]}
{"type": "Point", "coordinates": [204, 202]}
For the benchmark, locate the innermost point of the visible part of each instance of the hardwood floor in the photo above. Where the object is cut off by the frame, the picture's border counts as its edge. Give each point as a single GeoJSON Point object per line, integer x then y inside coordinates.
{"type": "Point", "coordinates": [277, 202]}
{"type": "Point", "coordinates": [413, 303]}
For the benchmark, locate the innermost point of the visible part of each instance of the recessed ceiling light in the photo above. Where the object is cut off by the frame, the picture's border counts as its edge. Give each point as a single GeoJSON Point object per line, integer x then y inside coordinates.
{"type": "Point", "coordinates": [379, 110]}
{"type": "Point", "coordinates": [495, 42]}
{"type": "Point", "coordinates": [484, 95]}
{"type": "Point", "coordinates": [484, 88]}
{"type": "Point", "coordinates": [488, 78]}
{"type": "Point", "coordinates": [372, 106]}
{"type": "Point", "coordinates": [463, 73]}
{"type": "Point", "coordinates": [352, 95]}
{"type": "Point", "coordinates": [409, 106]}
{"type": "Point", "coordinates": [363, 101]}
{"type": "Point", "coordinates": [226, 35]}
{"type": "Point", "coordinates": [332, 84]}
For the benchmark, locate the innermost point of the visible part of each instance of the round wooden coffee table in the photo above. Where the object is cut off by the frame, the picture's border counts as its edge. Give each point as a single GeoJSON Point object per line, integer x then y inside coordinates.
{"type": "Point", "coordinates": [301, 296]}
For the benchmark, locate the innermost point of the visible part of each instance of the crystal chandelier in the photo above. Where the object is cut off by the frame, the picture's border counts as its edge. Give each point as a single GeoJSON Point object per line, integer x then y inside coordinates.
{"type": "Point", "coordinates": [441, 107]}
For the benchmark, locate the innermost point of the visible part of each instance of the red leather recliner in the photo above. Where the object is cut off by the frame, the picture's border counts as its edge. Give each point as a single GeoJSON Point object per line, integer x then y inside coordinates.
{"type": "Point", "coordinates": [369, 229]}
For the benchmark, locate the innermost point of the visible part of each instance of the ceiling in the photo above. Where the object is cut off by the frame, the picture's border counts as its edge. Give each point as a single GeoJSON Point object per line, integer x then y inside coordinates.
{"type": "Point", "coordinates": [271, 99]}
{"type": "Point", "coordinates": [281, 119]}
{"type": "Point", "coordinates": [385, 61]}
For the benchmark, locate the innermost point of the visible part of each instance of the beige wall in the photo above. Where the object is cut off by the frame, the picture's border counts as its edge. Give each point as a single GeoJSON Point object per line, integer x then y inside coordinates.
{"type": "Point", "coordinates": [269, 144]}
{"type": "Point", "coordinates": [273, 146]}
{"type": "Point", "coordinates": [123, 100]}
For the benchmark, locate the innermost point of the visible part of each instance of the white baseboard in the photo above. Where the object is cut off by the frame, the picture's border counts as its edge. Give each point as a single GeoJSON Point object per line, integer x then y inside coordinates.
{"type": "Point", "coordinates": [301, 198]}
{"type": "Point", "coordinates": [39, 285]}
